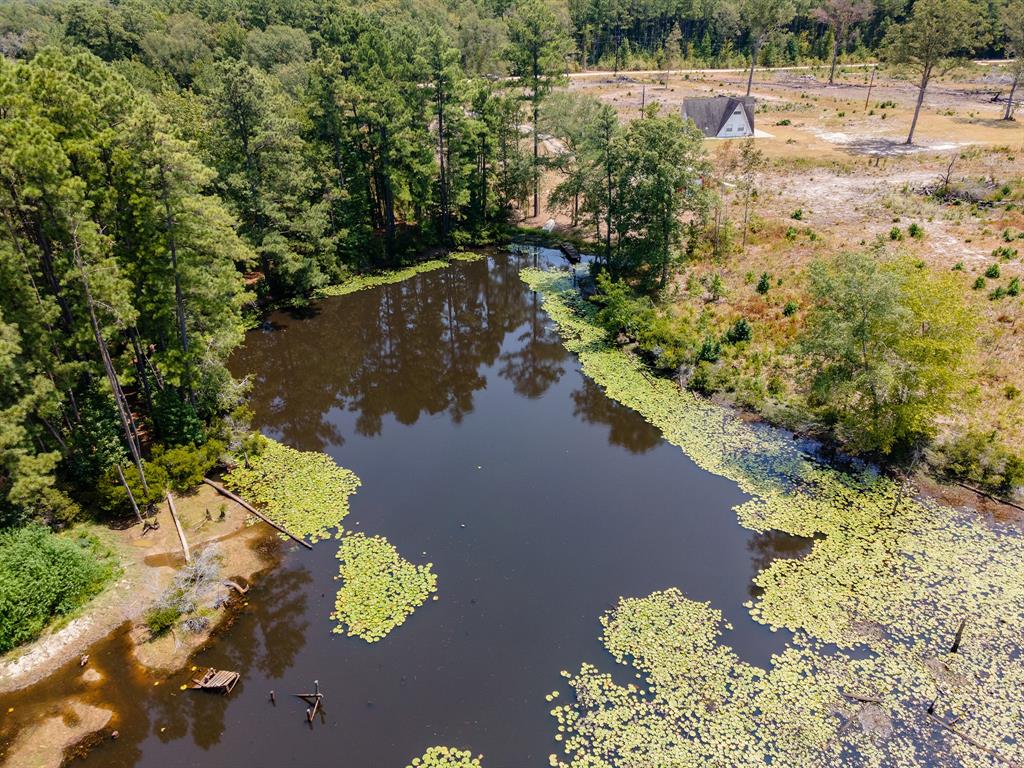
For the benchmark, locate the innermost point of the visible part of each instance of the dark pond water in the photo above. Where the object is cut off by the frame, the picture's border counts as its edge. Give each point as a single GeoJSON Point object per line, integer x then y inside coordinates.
{"type": "Point", "coordinates": [483, 450]}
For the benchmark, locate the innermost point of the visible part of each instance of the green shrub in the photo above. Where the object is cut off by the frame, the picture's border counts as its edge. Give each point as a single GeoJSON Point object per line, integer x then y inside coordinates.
{"type": "Point", "coordinates": [979, 458]}
{"type": "Point", "coordinates": [161, 619]}
{"type": "Point", "coordinates": [958, 267]}
{"type": "Point", "coordinates": [112, 498]}
{"type": "Point", "coordinates": [715, 286]}
{"type": "Point", "coordinates": [187, 465]}
{"type": "Point", "coordinates": [784, 121]}
{"type": "Point", "coordinates": [43, 576]}
{"type": "Point", "coordinates": [710, 350]}
{"type": "Point", "coordinates": [1014, 288]}
{"type": "Point", "coordinates": [1004, 252]}
{"type": "Point", "coordinates": [992, 271]}
{"type": "Point", "coordinates": [669, 341]}
{"type": "Point", "coordinates": [764, 284]}
{"type": "Point", "coordinates": [979, 283]}
{"type": "Point", "coordinates": [701, 380]}
{"type": "Point", "coordinates": [790, 309]}
{"type": "Point", "coordinates": [997, 294]}
{"type": "Point", "coordinates": [621, 309]}
{"type": "Point", "coordinates": [739, 331]}
{"type": "Point", "coordinates": [791, 233]}
{"type": "Point", "coordinates": [895, 233]}
{"type": "Point", "coordinates": [798, 214]}
{"type": "Point", "coordinates": [916, 231]}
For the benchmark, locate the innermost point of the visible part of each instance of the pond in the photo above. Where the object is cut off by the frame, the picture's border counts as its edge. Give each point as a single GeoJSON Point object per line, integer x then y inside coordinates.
{"type": "Point", "coordinates": [483, 450]}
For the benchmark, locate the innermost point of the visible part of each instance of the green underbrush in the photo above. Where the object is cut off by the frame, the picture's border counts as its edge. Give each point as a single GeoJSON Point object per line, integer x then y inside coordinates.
{"type": "Point", "coordinates": [46, 576]}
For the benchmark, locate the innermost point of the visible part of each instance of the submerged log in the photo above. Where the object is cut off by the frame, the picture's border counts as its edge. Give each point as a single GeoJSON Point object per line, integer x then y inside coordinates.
{"type": "Point", "coordinates": [860, 697]}
{"type": "Point", "coordinates": [992, 751]}
{"type": "Point", "coordinates": [236, 586]}
{"type": "Point", "coordinates": [988, 495]}
{"type": "Point", "coordinates": [237, 499]}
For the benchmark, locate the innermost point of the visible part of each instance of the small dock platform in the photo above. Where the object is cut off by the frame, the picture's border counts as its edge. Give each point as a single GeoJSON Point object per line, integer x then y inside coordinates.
{"type": "Point", "coordinates": [216, 680]}
{"type": "Point", "coordinates": [569, 251]}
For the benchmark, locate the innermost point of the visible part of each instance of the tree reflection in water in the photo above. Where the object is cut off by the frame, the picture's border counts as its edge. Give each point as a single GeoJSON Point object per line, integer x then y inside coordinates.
{"type": "Point", "coordinates": [404, 350]}
{"type": "Point", "coordinates": [765, 548]}
{"type": "Point", "coordinates": [627, 428]}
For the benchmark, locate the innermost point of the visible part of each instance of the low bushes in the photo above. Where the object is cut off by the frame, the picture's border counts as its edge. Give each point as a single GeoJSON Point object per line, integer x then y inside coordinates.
{"type": "Point", "coordinates": [980, 458]}
{"type": "Point", "coordinates": [178, 468]}
{"type": "Point", "coordinates": [44, 576]}
{"type": "Point", "coordinates": [197, 590]}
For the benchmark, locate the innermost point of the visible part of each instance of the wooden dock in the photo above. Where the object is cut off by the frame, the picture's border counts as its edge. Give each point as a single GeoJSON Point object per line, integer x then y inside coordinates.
{"type": "Point", "coordinates": [569, 251]}
{"type": "Point", "coordinates": [216, 680]}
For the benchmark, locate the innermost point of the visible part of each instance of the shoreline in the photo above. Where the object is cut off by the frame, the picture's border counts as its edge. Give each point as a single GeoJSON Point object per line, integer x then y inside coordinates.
{"type": "Point", "coordinates": [107, 615]}
{"type": "Point", "coordinates": [54, 702]}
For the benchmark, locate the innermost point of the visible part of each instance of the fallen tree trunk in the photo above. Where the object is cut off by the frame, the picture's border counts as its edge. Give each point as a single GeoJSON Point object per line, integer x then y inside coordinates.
{"type": "Point", "coordinates": [988, 495]}
{"type": "Point", "coordinates": [237, 499]}
{"type": "Point", "coordinates": [974, 742]}
{"type": "Point", "coordinates": [177, 524]}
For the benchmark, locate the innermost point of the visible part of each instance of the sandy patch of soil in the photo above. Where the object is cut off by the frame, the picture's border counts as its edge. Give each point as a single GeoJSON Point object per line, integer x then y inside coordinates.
{"type": "Point", "coordinates": [45, 744]}
{"type": "Point", "coordinates": [244, 554]}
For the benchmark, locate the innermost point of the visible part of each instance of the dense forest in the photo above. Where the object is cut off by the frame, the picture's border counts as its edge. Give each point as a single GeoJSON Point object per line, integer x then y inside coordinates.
{"type": "Point", "coordinates": [167, 167]}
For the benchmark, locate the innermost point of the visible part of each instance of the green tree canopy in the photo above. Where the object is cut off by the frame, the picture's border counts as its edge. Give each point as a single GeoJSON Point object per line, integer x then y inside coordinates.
{"type": "Point", "coordinates": [886, 343]}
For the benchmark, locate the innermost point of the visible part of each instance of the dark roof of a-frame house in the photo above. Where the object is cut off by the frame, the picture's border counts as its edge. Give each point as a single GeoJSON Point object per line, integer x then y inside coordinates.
{"type": "Point", "coordinates": [711, 114]}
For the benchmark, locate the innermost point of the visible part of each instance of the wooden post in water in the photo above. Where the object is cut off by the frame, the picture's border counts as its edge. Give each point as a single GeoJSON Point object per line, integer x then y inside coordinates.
{"type": "Point", "coordinates": [959, 635]}
{"type": "Point", "coordinates": [177, 524]}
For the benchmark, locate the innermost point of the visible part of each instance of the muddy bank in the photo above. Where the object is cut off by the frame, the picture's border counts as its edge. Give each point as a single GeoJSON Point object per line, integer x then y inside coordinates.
{"type": "Point", "coordinates": [149, 562]}
{"type": "Point", "coordinates": [44, 744]}
{"type": "Point", "coordinates": [78, 684]}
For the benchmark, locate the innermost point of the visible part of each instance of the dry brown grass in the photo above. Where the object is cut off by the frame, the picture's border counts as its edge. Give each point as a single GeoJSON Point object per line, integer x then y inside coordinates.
{"type": "Point", "coordinates": [844, 167]}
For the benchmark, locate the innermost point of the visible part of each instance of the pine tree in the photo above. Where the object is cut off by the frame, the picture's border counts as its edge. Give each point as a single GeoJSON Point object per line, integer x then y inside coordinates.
{"type": "Point", "coordinates": [536, 55]}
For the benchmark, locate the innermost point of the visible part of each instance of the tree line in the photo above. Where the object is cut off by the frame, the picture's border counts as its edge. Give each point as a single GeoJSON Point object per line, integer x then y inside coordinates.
{"type": "Point", "coordinates": [162, 169]}
{"type": "Point", "coordinates": [167, 164]}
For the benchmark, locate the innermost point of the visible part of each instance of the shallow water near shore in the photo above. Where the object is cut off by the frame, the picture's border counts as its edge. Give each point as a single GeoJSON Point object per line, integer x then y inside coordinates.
{"type": "Point", "coordinates": [483, 450]}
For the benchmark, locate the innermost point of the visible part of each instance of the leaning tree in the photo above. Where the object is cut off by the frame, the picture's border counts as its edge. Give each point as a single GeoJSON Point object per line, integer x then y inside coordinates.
{"type": "Point", "coordinates": [934, 39]}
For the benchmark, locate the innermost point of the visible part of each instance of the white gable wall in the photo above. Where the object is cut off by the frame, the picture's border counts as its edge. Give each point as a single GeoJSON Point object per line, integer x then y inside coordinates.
{"type": "Point", "coordinates": [736, 125]}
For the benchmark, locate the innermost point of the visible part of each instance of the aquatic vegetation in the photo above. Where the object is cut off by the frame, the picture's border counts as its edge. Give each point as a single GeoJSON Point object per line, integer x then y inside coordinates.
{"type": "Point", "coordinates": [361, 282]}
{"type": "Point", "coordinates": [380, 588]}
{"type": "Point", "coordinates": [889, 575]}
{"type": "Point", "coordinates": [304, 491]}
{"type": "Point", "coordinates": [466, 256]}
{"type": "Point", "coordinates": [446, 757]}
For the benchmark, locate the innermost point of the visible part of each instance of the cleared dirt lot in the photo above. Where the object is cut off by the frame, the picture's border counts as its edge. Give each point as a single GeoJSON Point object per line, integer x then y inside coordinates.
{"type": "Point", "coordinates": [839, 177]}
